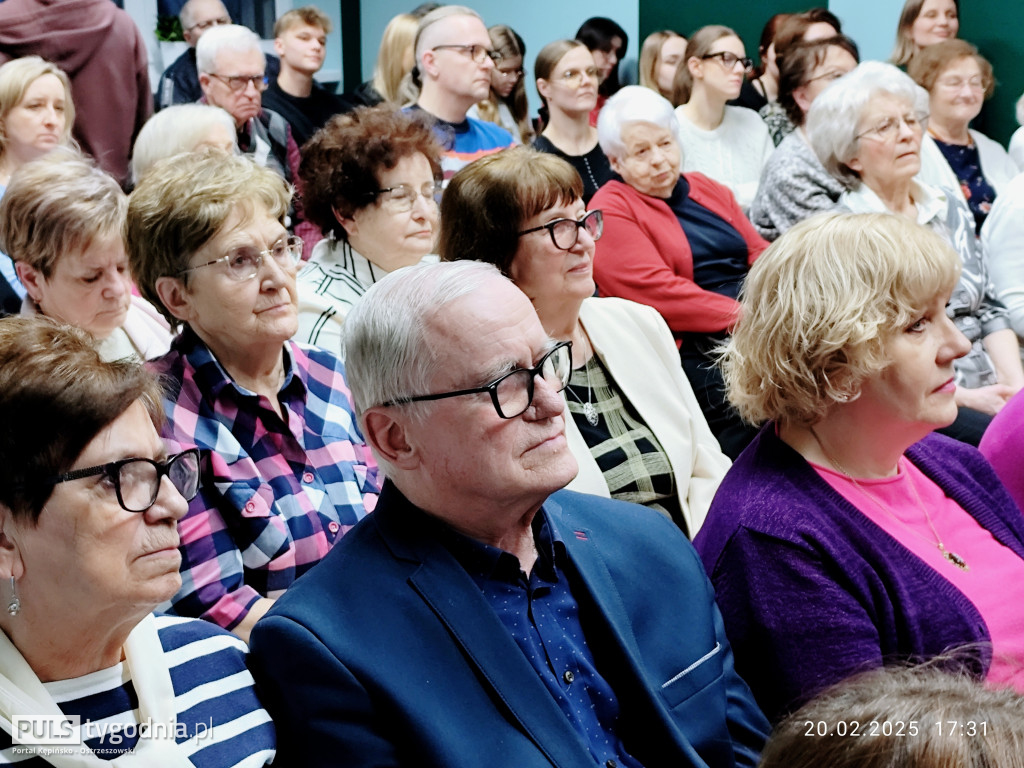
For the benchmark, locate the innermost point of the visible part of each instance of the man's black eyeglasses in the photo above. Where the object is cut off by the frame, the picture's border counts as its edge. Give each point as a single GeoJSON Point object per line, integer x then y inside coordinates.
{"type": "Point", "coordinates": [512, 393]}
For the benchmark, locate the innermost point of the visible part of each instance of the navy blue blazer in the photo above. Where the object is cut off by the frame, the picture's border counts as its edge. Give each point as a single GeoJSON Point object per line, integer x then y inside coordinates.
{"type": "Point", "coordinates": [388, 654]}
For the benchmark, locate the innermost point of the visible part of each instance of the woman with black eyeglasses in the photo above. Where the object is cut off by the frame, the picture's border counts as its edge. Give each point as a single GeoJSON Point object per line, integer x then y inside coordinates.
{"type": "Point", "coordinates": [90, 500]}
{"type": "Point", "coordinates": [567, 84]}
{"type": "Point", "coordinates": [369, 182]}
{"type": "Point", "coordinates": [634, 424]}
{"type": "Point", "coordinates": [729, 144]}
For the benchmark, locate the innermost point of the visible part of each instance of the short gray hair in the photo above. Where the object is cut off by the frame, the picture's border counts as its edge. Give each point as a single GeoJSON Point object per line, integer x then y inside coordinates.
{"type": "Point", "coordinates": [633, 104]}
{"type": "Point", "coordinates": [834, 117]}
{"type": "Point", "coordinates": [389, 354]}
{"type": "Point", "coordinates": [227, 37]}
{"type": "Point", "coordinates": [187, 17]}
{"type": "Point", "coordinates": [174, 130]}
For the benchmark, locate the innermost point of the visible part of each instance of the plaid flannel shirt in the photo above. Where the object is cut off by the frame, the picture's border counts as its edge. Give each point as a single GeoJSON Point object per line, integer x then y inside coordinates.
{"type": "Point", "coordinates": [276, 494]}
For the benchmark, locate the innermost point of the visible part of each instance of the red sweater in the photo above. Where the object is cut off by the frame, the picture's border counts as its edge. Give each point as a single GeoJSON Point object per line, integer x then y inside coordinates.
{"type": "Point", "coordinates": [644, 255]}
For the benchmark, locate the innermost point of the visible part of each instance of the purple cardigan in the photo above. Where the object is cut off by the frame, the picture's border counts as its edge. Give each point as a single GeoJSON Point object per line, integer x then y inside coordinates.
{"type": "Point", "coordinates": [812, 591]}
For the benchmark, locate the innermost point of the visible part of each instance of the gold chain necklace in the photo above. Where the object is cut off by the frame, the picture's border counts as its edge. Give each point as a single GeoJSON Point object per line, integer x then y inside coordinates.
{"type": "Point", "coordinates": [949, 555]}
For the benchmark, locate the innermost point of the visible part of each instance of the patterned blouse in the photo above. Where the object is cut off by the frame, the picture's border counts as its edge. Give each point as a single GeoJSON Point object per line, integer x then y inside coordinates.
{"type": "Point", "coordinates": [635, 466]}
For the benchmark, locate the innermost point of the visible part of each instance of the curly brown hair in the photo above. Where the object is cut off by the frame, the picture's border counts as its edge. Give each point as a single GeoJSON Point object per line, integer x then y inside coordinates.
{"type": "Point", "coordinates": [340, 164]}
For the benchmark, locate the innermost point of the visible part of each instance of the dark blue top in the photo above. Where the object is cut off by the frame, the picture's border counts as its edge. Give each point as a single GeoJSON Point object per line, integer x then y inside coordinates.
{"type": "Point", "coordinates": [542, 615]}
{"type": "Point", "coordinates": [966, 164]}
{"type": "Point", "coordinates": [719, 252]}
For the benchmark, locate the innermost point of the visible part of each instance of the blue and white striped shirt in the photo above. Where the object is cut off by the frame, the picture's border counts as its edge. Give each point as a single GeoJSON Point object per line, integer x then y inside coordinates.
{"type": "Point", "coordinates": [220, 722]}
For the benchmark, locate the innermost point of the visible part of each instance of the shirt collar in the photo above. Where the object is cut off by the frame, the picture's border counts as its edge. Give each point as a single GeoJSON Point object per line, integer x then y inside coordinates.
{"type": "Point", "coordinates": [482, 561]}
{"type": "Point", "coordinates": [213, 378]}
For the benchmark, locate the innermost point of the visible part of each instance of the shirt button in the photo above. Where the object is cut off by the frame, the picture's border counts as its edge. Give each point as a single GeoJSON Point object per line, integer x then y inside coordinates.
{"type": "Point", "coordinates": [333, 527]}
{"type": "Point", "coordinates": [250, 507]}
{"type": "Point", "coordinates": [307, 478]}
{"type": "Point", "coordinates": [568, 676]}
{"type": "Point", "coordinates": [610, 764]}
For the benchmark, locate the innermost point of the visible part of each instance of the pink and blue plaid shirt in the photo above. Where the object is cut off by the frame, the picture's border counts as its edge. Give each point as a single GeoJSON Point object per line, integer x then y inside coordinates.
{"type": "Point", "coordinates": [276, 494]}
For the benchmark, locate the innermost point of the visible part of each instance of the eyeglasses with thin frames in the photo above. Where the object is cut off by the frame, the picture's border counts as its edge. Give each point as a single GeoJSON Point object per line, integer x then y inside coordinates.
{"type": "Point", "coordinates": [239, 83]}
{"type": "Point", "coordinates": [510, 74]}
{"type": "Point", "coordinates": [512, 393]}
{"type": "Point", "coordinates": [565, 233]}
{"type": "Point", "coordinates": [574, 77]}
{"type": "Point", "coordinates": [137, 481]}
{"type": "Point", "coordinates": [477, 53]}
{"type": "Point", "coordinates": [954, 84]}
{"type": "Point", "coordinates": [402, 197]}
{"type": "Point", "coordinates": [728, 59]}
{"type": "Point", "coordinates": [244, 263]}
{"type": "Point", "coordinates": [889, 129]}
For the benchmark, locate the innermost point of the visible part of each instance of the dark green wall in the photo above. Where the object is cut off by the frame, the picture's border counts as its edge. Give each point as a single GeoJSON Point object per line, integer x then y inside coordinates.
{"type": "Point", "coordinates": [747, 17]}
{"type": "Point", "coordinates": [994, 26]}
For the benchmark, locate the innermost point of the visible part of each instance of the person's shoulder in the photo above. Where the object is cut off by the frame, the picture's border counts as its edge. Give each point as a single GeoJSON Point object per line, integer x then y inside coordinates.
{"type": "Point", "coordinates": [188, 640]}
{"type": "Point", "coordinates": [619, 311]}
{"type": "Point", "coordinates": [947, 452]}
{"type": "Point", "coordinates": [745, 119]}
{"type": "Point", "coordinates": [605, 515]}
{"type": "Point", "coordinates": [495, 134]}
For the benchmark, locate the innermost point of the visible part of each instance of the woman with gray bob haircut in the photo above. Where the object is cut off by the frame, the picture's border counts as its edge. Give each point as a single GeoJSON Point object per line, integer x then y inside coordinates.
{"type": "Point", "coordinates": [636, 105]}
{"type": "Point", "coordinates": [182, 128]}
{"type": "Point", "coordinates": [867, 129]}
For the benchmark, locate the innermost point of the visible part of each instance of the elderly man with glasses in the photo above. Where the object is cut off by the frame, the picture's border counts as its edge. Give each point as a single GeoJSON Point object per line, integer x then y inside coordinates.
{"type": "Point", "coordinates": [232, 74]}
{"type": "Point", "coordinates": [454, 60]}
{"type": "Point", "coordinates": [478, 617]}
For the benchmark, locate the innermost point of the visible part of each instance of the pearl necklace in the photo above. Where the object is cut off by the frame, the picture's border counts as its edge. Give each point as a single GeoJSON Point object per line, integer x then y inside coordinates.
{"type": "Point", "coordinates": [949, 555]}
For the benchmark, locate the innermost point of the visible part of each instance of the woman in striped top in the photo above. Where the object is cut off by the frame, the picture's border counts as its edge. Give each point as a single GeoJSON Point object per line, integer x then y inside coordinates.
{"type": "Point", "coordinates": [88, 546]}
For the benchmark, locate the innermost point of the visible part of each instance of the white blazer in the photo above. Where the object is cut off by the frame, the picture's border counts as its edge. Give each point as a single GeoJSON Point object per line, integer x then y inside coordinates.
{"type": "Point", "coordinates": [636, 347]}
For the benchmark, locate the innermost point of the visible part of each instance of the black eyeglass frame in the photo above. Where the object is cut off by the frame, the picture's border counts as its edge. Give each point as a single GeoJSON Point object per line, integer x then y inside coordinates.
{"type": "Point", "coordinates": [746, 61]}
{"type": "Point", "coordinates": [492, 387]}
{"type": "Point", "coordinates": [580, 224]}
{"type": "Point", "coordinates": [113, 471]}
{"type": "Point", "coordinates": [493, 55]}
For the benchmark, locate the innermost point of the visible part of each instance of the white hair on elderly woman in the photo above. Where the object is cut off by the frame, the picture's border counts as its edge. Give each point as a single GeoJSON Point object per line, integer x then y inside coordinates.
{"type": "Point", "coordinates": [632, 104]}
{"type": "Point", "coordinates": [833, 121]}
{"type": "Point", "coordinates": [176, 129]}
{"type": "Point", "coordinates": [227, 37]}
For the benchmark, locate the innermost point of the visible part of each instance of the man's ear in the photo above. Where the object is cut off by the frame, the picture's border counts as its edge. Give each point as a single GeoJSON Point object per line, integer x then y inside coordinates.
{"type": "Point", "coordinates": [389, 438]}
{"type": "Point", "coordinates": [428, 64]}
{"type": "Point", "coordinates": [175, 297]}
{"type": "Point", "coordinates": [278, 47]}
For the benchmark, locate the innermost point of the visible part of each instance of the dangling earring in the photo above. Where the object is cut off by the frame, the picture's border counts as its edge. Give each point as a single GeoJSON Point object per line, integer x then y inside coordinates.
{"type": "Point", "coordinates": [15, 604]}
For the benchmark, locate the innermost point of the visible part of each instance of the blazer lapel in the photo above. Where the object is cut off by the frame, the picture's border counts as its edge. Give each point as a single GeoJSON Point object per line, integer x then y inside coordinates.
{"type": "Point", "coordinates": [458, 603]}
